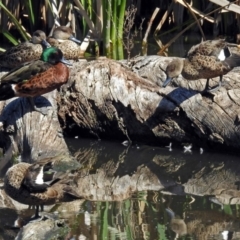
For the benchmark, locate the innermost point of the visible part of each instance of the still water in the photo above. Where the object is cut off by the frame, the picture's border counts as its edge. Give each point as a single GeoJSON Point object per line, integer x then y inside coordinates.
{"type": "Point", "coordinates": [198, 197]}
{"type": "Point", "coordinates": [161, 193]}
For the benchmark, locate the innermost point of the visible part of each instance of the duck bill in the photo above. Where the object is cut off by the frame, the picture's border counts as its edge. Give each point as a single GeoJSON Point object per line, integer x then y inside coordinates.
{"type": "Point", "coordinates": [167, 81]}
{"type": "Point", "coordinates": [74, 39]}
{"type": "Point", "coordinates": [63, 60]}
{"type": "Point", "coordinates": [45, 44]}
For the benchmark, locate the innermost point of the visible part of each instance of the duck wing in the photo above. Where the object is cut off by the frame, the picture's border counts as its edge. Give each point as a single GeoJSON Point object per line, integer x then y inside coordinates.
{"type": "Point", "coordinates": [22, 53]}
{"type": "Point", "coordinates": [25, 72]}
{"type": "Point", "coordinates": [208, 48]}
{"type": "Point", "coordinates": [13, 52]}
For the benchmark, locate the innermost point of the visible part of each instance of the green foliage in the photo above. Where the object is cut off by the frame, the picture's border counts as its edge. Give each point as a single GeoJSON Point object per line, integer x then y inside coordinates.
{"type": "Point", "coordinates": [16, 23]}
{"type": "Point", "coordinates": [10, 37]}
{"type": "Point", "coordinates": [42, 14]}
{"type": "Point", "coordinates": [106, 19]}
{"type": "Point", "coordinates": [30, 10]}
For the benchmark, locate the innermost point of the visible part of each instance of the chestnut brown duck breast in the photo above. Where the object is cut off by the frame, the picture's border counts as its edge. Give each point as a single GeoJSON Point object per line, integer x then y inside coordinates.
{"type": "Point", "coordinates": [36, 78]}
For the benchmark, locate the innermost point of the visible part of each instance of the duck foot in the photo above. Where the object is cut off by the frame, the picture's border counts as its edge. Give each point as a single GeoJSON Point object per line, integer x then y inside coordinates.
{"type": "Point", "coordinates": [215, 88]}
{"type": "Point", "coordinates": [42, 110]}
{"type": "Point", "coordinates": [36, 216]}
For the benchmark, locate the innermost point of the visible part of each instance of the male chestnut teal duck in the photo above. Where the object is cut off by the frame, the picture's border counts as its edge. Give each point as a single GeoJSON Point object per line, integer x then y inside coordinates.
{"type": "Point", "coordinates": [208, 59]}
{"type": "Point", "coordinates": [63, 39]}
{"type": "Point", "coordinates": [24, 52]}
{"type": "Point", "coordinates": [36, 78]}
{"type": "Point", "coordinates": [37, 184]}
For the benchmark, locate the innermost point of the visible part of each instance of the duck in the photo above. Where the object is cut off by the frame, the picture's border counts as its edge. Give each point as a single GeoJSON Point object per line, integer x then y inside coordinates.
{"type": "Point", "coordinates": [209, 59]}
{"type": "Point", "coordinates": [36, 78]}
{"type": "Point", "coordinates": [63, 39]}
{"type": "Point", "coordinates": [40, 183]}
{"type": "Point", "coordinates": [24, 52]}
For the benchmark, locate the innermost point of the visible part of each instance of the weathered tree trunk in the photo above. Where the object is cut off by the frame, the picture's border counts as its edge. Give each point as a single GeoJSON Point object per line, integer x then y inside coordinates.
{"type": "Point", "coordinates": [29, 133]}
{"type": "Point", "coordinates": [107, 99]}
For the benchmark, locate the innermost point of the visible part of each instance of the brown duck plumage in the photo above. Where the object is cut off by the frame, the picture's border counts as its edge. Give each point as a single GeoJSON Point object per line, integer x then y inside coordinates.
{"type": "Point", "coordinates": [26, 184]}
{"type": "Point", "coordinates": [63, 39]}
{"type": "Point", "coordinates": [203, 62]}
{"type": "Point", "coordinates": [37, 77]}
{"type": "Point", "coordinates": [24, 52]}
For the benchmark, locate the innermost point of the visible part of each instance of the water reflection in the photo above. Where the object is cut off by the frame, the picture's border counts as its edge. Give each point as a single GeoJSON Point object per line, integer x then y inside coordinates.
{"type": "Point", "coordinates": [152, 215]}
{"type": "Point", "coordinates": [198, 197]}
{"type": "Point", "coordinates": [141, 192]}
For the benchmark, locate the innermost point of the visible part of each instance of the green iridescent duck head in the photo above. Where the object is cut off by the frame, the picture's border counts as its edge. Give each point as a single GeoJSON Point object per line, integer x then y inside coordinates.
{"type": "Point", "coordinates": [53, 55]}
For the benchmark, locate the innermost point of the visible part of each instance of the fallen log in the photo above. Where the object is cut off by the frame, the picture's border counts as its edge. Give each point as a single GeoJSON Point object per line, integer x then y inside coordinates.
{"type": "Point", "coordinates": [115, 100]}
{"type": "Point", "coordinates": [110, 100]}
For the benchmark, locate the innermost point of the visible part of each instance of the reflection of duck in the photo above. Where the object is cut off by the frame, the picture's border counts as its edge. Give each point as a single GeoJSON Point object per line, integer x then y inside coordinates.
{"type": "Point", "coordinates": [177, 224]}
{"type": "Point", "coordinates": [63, 39]}
{"type": "Point", "coordinates": [37, 184]}
{"type": "Point", "coordinates": [25, 52]}
{"type": "Point", "coordinates": [36, 78]}
{"type": "Point", "coordinates": [207, 60]}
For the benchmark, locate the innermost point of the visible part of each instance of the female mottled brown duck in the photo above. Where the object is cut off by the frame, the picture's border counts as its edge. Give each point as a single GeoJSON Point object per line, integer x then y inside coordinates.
{"type": "Point", "coordinates": [37, 183]}
{"type": "Point", "coordinates": [36, 78]}
{"type": "Point", "coordinates": [208, 59]}
{"type": "Point", "coordinates": [24, 52]}
{"type": "Point", "coordinates": [63, 39]}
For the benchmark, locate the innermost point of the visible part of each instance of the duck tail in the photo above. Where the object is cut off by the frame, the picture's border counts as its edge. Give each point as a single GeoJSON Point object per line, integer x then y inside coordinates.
{"type": "Point", "coordinates": [6, 92]}
{"type": "Point", "coordinates": [233, 61]}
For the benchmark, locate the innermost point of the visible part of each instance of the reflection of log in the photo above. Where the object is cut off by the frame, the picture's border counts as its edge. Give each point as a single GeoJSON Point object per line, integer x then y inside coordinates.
{"type": "Point", "coordinates": [203, 224]}
{"type": "Point", "coordinates": [112, 175]}
{"type": "Point", "coordinates": [220, 180]}
{"type": "Point", "coordinates": [148, 169]}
